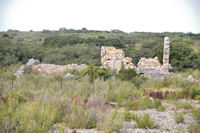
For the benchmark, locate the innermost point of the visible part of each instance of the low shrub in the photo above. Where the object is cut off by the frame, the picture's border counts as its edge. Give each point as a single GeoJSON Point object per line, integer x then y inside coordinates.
{"type": "Point", "coordinates": [139, 80]}
{"type": "Point", "coordinates": [126, 74]}
{"type": "Point", "coordinates": [98, 72]}
{"type": "Point", "coordinates": [157, 103]}
{"type": "Point", "coordinates": [111, 122]}
{"type": "Point", "coordinates": [30, 118]}
{"type": "Point", "coordinates": [143, 103]}
{"type": "Point", "coordinates": [194, 93]}
{"type": "Point", "coordinates": [193, 128]}
{"type": "Point", "coordinates": [129, 116]}
{"type": "Point", "coordinates": [80, 117]}
{"type": "Point", "coordinates": [184, 105]}
{"type": "Point", "coordinates": [160, 108]}
{"type": "Point", "coordinates": [144, 121]}
{"type": "Point", "coordinates": [197, 97]}
{"type": "Point", "coordinates": [120, 93]}
{"type": "Point", "coordinates": [178, 117]}
{"type": "Point", "coordinates": [196, 114]}
{"type": "Point", "coordinates": [146, 103]}
{"type": "Point", "coordinates": [171, 96]}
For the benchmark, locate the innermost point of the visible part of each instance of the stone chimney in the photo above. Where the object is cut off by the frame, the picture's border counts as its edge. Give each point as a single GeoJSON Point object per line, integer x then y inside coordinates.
{"type": "Point", "coordinates": [166, 47]}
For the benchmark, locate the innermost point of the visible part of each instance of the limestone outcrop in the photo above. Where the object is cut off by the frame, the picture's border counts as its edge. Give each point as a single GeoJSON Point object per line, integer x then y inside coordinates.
{"type": "Point", "coordinates": [115, 58]}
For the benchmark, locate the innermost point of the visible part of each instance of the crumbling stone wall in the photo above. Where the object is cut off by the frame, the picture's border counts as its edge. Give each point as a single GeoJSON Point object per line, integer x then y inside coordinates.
{"type": "Point", "coordinates": [115, 58]}
{"type": "Point", "coordinates": [149, 62]}
{"type": "Point", "coordinates": [47, 69]}
{"type": "Point", "coordinates": [152, 68]}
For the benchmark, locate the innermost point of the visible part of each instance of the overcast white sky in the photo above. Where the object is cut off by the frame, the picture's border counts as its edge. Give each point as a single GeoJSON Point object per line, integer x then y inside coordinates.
{"type": "Point", "coordinates": [126, 15]}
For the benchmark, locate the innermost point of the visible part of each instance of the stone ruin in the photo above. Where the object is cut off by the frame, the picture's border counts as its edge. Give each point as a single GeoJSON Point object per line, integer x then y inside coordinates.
{"type": "Point", "coordinates": [115, 59]}
{"type": "Point", "coordinates": [110, 58]}
{"type": "Point", "coordinates": [47, 69]}
{"type": "Point", "coordinates": [150, 67]}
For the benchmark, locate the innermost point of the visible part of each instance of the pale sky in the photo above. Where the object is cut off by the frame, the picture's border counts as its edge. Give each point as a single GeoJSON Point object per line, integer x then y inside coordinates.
{"type": "Point", "coordinates": [125, 15]}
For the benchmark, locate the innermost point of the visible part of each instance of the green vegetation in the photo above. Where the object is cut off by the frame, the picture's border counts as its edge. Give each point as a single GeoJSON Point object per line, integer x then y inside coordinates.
{"type": "Point", "coordinates": [196, 114]}
{"type": "Point", "coordinates": [76, 46]}
{"type": "Point", "coordinates": [193, 128]}
{"type": "Point", "coordinates": [144, 121]}
{"type": "Point", "coordinates": [184, 105]}
{"type": "Point", "coordinates": [80, 117]}
{"type": "Point", "coordinates": [146, 103]}
{"type": "Point", "coordinates": [112, 122]}
{"type": "Point", "coordinates": [128, 116]}
{"type": "Point", "coordinates": [178, 117]}
{"type": "Point", "coordinates": [34, 103]}
{"type": "Point", "coordinates": [126, 74]}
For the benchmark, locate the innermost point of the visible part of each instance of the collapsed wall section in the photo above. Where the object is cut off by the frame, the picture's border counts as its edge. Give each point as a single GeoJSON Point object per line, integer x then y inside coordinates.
{"type": "Point", "coordinates": [115, 59]}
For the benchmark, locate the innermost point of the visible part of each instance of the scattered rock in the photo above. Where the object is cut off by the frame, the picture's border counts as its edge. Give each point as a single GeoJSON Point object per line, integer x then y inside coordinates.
{"type": "Point", "coordinates": [32, 62]}
{"type": "Point", "coordinates": [68, 75]}
{"type": "Point", "coordinates": [190, 77]}
{"type": "Point", "coordinates": [151, 72]}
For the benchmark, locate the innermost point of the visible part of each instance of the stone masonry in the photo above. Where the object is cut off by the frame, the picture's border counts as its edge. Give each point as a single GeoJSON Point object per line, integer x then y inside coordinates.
{"type": "Point", "coordinates": [110, 58]}
{"type": "Point", "coordinates": [166, 65]}
{"type": "Point", "coordinates": [115, 58]}
{"type": "Point", "coordinates": [150, 67]}
{"type": "Point", "coordinates": [47, 69]}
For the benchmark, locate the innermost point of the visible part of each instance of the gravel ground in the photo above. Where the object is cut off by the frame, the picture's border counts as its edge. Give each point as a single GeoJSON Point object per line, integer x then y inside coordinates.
{"type": "Point", "coordinates": [163, 119]}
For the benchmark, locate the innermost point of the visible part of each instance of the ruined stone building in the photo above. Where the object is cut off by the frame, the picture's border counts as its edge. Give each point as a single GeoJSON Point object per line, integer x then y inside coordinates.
{"type": "Point", "coordinates": [110, 58]}
{"type": "Point", "coordinates": [115, 59]}
{"type": "Point", "coordinates": [150, 67]}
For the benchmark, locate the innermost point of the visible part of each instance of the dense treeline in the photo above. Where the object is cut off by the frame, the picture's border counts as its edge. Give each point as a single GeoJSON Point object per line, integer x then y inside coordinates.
{"type": "Point", "coordinates": [77, 46]}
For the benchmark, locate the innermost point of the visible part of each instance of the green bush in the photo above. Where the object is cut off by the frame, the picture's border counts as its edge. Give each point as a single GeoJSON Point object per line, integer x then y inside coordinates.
{"type": "Point", "coordinates": [193, 128]}
{"type": "Point", "coordinates": [178, 117]}
{"type": "Point", "coordinates": [121, 93]}
{"type": "Point", "coordinates": [197, 97]}
{"type": "Point", "coordinates": [111, 122]}
{"type": "Point", "coordinates": [184, 105]}
{"type": "Point", "coordinates": [160, 108]}
{"type": "Point", "coordinates": [128, 116]}
{"type": "Point", "coordinates": [196, 114]}
{"type": "Point", "coordinates": [157, 103]}
{"type": "Point", "coordinates": [30, 118]}
{"type": "Point", "coordinates": [139, 80]}
{"type": "Point", "coordinates": [146, 103]}
{"type": "Point", "coordinates": [144, 121]}
{"type": "Point", "coordinates": [97, 72]}
{"type": "Point", "coordinates": [80, 117]}
{"type": "Point", "coordinates": [8, 120]}
{"type": "Point", "coordinates": [126, 74]}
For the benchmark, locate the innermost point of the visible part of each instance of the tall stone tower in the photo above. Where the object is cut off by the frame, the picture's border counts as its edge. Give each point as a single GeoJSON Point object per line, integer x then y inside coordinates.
{"type": "Point", "coordinates": [166, 47]}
